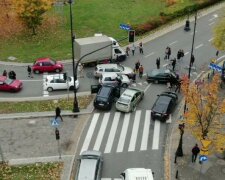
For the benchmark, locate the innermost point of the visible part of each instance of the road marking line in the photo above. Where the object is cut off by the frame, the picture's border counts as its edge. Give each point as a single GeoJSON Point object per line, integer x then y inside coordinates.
{"type": "Point", "coordinates": [112, 132]}
{"type": "Point", "coordinates": [140, 83]}
{"type": "Point", "coordinates": [170, 119]}
{"type": "Point", "coordinates": [123, 133]}
{"type": "Point", "coordinates": [149, 54]}
{"type": "Point", "coordinates": [164, 65]}
{"type": "Point", "coordinates": [200, 45]}
{"type": "Point", "coordinates": [147, 87]}
{"type": "Point", "coordinates": [220, 58]}
{"type": "Point", "coordinates": [211, 23]}
{"type": "Point", "coordinates": [134, 133]}
{"type": "Point", "coordinates": [210, 39]}
{"type": "Point", "coordinates": [101, 132]}
{"type": "Point", "coordinates": [134, 84]}
{"type": "Point", "coordinates": [174, 42]}
{"type": "Point", "coordinates": [155, 142]}
{"type": "Point", "coordinates": [144, 142]}
{"type": "Point", "coordinates": [193, 32]}
{"type": "Point", "coordinates": [186, 53]}
{"type": "Point", "coordinates": [38, 80]}
{"type": "Point", "coordinates": [90, 132]}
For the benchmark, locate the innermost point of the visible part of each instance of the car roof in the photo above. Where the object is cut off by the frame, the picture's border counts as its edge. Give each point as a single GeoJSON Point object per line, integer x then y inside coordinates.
{"type": "Point", "coordinates": [55, 76]}
{"type": "Point", "coordinates": [43, 59]}
{"type": "Point", "coordinates": [109, 74]}
{"type": "Point", "coordinates": [3, 78]}
{"type": "Point", "coordinates": [129, 92]}
{"type": "Point", "coordinates": [93, 152]}
{"type": "Point", "coordinates": [106, 65]}
{"type": "Point", "coordinates": [161, 71]}
{"type": "Point", "coordinates": [87, 169]}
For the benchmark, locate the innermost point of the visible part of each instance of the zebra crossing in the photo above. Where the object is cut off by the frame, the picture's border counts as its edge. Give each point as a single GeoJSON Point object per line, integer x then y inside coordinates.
{"type": "Point", "coordinates": [116, 132]}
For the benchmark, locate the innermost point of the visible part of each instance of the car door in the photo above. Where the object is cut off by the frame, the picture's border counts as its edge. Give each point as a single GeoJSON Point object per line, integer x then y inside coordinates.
{"type": "Point", "coordinates": [3, 86]}
{"type": "Point", "coordinates": [47, 66]}
{"type": "Point", "coordinates": [61, 84]}
{"type": "Point", "coordinates": [133, 102]}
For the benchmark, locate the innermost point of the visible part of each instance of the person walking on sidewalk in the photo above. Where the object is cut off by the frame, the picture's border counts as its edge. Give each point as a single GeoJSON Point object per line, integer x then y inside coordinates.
{"type": "Point", "coordinates": [141, 48]}
{"type": "Point", "coordinates": [29, 71]}
{"type": "Point", "coordinates": [141, 71]}
{"type": "Point", "coordinates": [133, 49]}
{"type": "Point", "coordinates": [174, 63]}
{"type": "Point", "coordinates": [195, 151]}
{"type": "Point", "coordinates": [137, 65]}
{"type": "Point", "coordinates": [58, 113]}
{"type": "Point", "coordinates": [158, 63]}
{"type": "Point", "coordinates": [127, 50]}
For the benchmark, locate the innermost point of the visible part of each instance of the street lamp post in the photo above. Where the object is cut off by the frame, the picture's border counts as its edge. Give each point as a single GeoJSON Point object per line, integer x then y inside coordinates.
{"type": "Point", "coordinates": [75, 103]}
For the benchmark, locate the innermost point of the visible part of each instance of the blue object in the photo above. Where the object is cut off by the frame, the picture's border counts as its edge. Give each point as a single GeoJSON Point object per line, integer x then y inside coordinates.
{"type": "Point", "coordinates": [203, 158]}
{"type": "Point", "coordinates": [215, 67]}
{"type": "Point", "coordinates": [125, 27]}
{"type": "Point", "coordinates": [55, 122]}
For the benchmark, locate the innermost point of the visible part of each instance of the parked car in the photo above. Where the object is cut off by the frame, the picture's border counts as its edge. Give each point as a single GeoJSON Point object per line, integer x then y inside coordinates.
{"type": "Point", "coordinates": [47, 65]}
{"type": "Point", "coordinates": [164, 106]}
{"type": "Point", "coordinates": [57, 82]}
{"type": "Point", "coordinates": [10, 85]}
{"type": "Point", "coordinates": [223, 72]}
{"type": "Point", "coordinates": [129, 99]}
{"type": "Point", "coordinates": [90, 166]}
{"type": "Point", "coordinates": [117, 68]}
{"type": "Point", "coordinates": [114, 78]}
{"type": "Point", "coordinates": [160, 75]}
{"type": "Point", "coordinates": [106, 95]}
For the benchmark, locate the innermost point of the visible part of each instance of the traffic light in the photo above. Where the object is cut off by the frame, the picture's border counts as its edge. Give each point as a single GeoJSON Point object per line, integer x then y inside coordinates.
{"type": "Point", "coordinates": [65, 76]}
{"type": "Point", "coordinates": [57, 136]}
{"type": "Point", "coordinates": [131, 35]}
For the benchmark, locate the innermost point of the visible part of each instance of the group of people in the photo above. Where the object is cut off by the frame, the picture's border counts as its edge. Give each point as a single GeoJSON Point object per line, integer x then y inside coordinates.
{"type": "Point", "coordinates": [11, 74]}
{"type": "Point", "coordinates": [133, 48]}
{"type": "Point", "coordinates": [180, 54]}
{"type": "Point", "coordinates": [138, 69]}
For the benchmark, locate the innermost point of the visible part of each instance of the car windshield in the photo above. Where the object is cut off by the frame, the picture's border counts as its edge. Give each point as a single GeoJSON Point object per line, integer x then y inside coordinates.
{"type": "Point", "coordinates": [162, 104]}
{"type": "Point", "coordinates": [120, 67]}
{"type": "Point", "coordinates": [155, 72]}
{"type": "Point", "coordinates": [8, 81]}
{"type": "Point", "coordinates": [124, 100]}
{"type": "Point", "coordinates": [52, 61]}
{"type": "Point", "coordinates": [100, 98]}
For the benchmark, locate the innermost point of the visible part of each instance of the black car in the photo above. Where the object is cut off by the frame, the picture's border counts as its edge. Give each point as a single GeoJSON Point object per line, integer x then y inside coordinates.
{"type": "Point", "coordinates": [106, 95]}
{"type": "Point", "coordinates": [160, 76]}
{"type": "Point", "coordinates": [223, 72]}
{"type": "Point", "coordinates": [164, 106]}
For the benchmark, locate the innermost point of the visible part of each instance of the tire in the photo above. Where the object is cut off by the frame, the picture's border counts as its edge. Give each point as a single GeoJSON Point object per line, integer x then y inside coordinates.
{"type": "Point", "coordinates": [71, 87]}
{"type": "Point", "coordinates": [124, 85]}
{"type": "Point", "coordinates": [36, 71]}
{"type": "Point", "coordinates": [49, 89]}
{"type": "Point", "coordinates": [57, 70]}
{"type": "Point", "coordinates": [156, 81]}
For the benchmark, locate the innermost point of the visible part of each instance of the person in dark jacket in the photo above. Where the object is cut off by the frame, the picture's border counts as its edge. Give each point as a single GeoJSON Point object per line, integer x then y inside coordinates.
{"type": "Point", "coordinates": [12, 75]}
{"type": "Point", "coordinates": [4, 73]}
{"type": "Point", "coordinates": [195, 151]}
{"type": "Point", "coordinates": [58, 113]}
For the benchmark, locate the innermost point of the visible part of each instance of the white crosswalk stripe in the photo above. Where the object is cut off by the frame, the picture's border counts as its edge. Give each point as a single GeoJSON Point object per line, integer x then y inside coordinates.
{"type": "Point", "coordinates": [118, 132]}
{"type": "Point", "coordinates": [111, 179]}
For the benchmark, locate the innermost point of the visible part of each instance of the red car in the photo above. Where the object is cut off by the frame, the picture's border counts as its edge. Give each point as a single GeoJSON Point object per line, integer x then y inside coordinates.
{"type": "Point", "coordinates": [10, 85]}
{"type": "Point", "coordinates": [47, 65]}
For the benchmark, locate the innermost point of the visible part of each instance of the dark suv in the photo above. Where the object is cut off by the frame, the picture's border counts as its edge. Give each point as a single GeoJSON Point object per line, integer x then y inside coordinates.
{"type": "Point", "coordinates": [164, 106]}
{"type": "Point", "coordinates": [106, 95]}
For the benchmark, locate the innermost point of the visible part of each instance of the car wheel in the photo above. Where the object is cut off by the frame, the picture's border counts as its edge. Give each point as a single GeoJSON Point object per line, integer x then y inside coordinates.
{"type": "Point", "coordinates": [36, 71]}
{"type": "Point", "coordinates": [124, 85]}
{"type": "Point", "coordinates": [49, 89]}
{"type": "Point", "coordinates": [71, 87]}
{"type": "Point", "coordinates": [156, 81]}
{"type": "Point", "coordinates": [57, 70]}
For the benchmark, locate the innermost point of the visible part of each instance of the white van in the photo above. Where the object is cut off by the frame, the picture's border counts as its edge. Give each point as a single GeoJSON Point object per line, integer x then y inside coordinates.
{"type": "Point", "coordinates": [137, 173]}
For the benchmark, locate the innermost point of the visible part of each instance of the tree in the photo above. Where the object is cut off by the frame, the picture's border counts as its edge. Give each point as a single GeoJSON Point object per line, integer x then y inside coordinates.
{"type": "Point", "coordinates": [205, 114]}
{"type": "Point", "coordinates": [219, 35]}
{"type": "Point", "coordinates": [31, 11]}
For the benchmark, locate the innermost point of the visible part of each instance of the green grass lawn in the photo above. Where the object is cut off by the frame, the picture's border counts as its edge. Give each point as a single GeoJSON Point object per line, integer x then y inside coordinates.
{"type": "Point", "coordinates": [40, 106]}
{"type": "Point", "coordinates": [89, 17]}
{"type": "Point", "coordinates": [38, 171]}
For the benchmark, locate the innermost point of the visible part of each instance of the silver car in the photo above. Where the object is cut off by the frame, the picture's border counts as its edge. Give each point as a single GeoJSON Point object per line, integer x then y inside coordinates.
{"type": "Point", "coordinates": [114, 78]}
{"type": "Point", "coordinates": [129, 99]}
{"type": "Point", "coordinates": [90, 166]}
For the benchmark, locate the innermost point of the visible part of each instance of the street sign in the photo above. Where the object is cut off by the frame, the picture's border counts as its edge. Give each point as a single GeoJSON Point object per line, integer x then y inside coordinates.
{"type": "Point", "coordinates": [125, 27]}
{"type": "Point", "coordinates": [55, 122]}
{"type": "Point", "coordinates": [215, 67]}
{"type": "Point", "coordinates": [203, 158]}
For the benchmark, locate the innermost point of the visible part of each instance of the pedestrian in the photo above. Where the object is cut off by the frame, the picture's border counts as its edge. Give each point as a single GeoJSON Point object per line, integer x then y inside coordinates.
{"type": "Point", "coordinates": [137, 65]}
{"type": "Point", "coordinates": [169, 52]}
{"type": "Point", "coordinates": [141, 48]}
{"type": "Point", "coordinates": [158, 63]}
{"type": "Point", "coordinates": [4, 73]}
{"type": "Point", "coordinates": [166, 53]}
{"type": "Point", "coordinates": [217, 53]}
{"type": "Point", "coordinates": [81, 70]}
{"type": "Point", "coordinates": [58, 113]}
{"type": "Point", "coordinates": [195, 151]}
{"type": "Point", "coordinates": [12, 75]}
{"type": "Point", "coordinates": [127, 50]}
{"type": "Point", "coordinates": [179, 54]}
{"type": "Point", "coordinates": [178, 85]}
{"type": "Point", "coordinates": [192, 60]}
{"type": "Point", "coordinates": [134, 76]}
{"type": "Point", "coordinates": [141, 71]}
{"type": "Point", "coordinates": [174, 63]}
{"type": "Point", "coordinates": [29, 71]}
{"type": "Point", "coordinates": [133, 49]}
{"type": "Point", "coordinates": [169, 86]}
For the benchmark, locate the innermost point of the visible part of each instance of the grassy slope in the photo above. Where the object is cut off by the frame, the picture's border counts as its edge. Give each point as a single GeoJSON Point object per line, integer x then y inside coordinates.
{"type": "Point", "coordinates": [90, 16]}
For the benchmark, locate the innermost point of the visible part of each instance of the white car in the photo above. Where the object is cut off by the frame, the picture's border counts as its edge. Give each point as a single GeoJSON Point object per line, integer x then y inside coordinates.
{"type": "Point", "coordinates": [112, 78]}
{"type": "Point", "coordinates": [57, 82]}
{"type": "Point", "coordinates": [117, 68]}
{"type": "Point", "coordinates": [129, 99]}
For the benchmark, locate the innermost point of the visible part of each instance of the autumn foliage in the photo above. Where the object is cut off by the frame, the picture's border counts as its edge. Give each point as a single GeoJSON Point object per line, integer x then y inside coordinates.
{"type": "Point", "coordinates": [206, 110]}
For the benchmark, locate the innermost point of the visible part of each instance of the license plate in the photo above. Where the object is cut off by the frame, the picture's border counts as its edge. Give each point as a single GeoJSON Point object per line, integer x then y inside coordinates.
{"type": "Point", "coordinates": [100, 104]}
